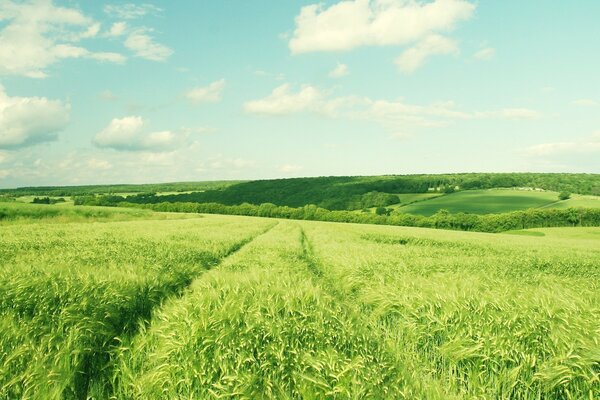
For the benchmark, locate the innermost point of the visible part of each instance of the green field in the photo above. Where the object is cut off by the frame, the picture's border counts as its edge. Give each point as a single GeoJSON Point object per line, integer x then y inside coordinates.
{"type": "Point", "coordinates": [484, 202]}
{"type": "Point", "coordinates": [576, 200]}
{"type": "Point", "coordinates": [19, 212]}
{"type": "Point", "coordinates": [241, 307]}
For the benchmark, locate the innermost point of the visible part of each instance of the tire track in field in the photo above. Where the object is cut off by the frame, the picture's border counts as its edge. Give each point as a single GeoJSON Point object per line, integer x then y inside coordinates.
{"type": "Point", "coordinates": [86, 376]}
{"type": "Point", "coordinates": [352, 308]}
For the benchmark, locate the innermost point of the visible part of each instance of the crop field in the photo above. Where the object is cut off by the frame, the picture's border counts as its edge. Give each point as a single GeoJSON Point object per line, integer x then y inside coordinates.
{"type": "Point", "coordinates": [242, 307]}
{"type": "Point", "coordinates": [18, 212]}
{"type": "Point", "coordinates": [485, 202]}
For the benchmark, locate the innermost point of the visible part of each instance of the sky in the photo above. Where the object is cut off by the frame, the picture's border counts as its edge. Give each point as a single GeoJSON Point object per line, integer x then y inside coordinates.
{"type": "Point", "coordinates": [98, 92]}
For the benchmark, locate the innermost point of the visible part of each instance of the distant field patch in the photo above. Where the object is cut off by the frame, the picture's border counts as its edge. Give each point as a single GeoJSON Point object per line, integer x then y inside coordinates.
{"type": "Point", "coordinates": [483, 202]}
{"type": "Point", "coordinates": [577, 200]}
{"type": "Point", "coordinates": [408, 198]}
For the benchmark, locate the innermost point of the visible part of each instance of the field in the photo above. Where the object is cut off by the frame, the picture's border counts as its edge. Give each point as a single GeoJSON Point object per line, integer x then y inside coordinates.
{"type": "Point", "coordinates": [225, 306]}
{"type": "Point", "coordinates": [577, 200]}
{"type": "Point", "coordinates": [486, 202]}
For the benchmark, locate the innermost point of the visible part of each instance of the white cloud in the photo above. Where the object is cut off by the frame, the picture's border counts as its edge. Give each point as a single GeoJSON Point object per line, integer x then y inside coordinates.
{"type": "Point", "coordinates": [395, 115]}
{"type": "Point", "coordinates": [289, 168]}
{"type": "Point", "coordinates": [141, 43]}
{"type": "Point", "coordinates": [37, 34]}
{"type": "Point", "coordinates": [117, 29]}
{"type": "Point", "coordinates": [485, 54]}
{"type": "Point", "coordinates": [339, 71]}
{"type": "Point", "coordinates": [4, 173]}
{"type": "Point", "coordinates": [414, 57]}
{"type": "Point", "coordinates": [586, 145]}
{"type": "Point", "coordinates": [130, 11]}
{"type": "Point", "coordinates": [208, 94]}
{"type": "Point", "coordinates": [283, 101]}
{"type": "Point", "coordinates": [25, 121]}
{"type": "Point", "coordinates": [128, 134]}
{"type": "Point", "coordinates": [355, 23]}
{"type": "Point", "coordinates": [586, 103]}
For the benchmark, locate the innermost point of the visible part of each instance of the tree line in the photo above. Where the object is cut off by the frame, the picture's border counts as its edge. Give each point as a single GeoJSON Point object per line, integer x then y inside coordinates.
{"type": "Point", "coordinates": [332, 193]}
{"type": "Point", "coordinates": [355, 193]}
{"type": "Point", "coordinates": [531, 218]}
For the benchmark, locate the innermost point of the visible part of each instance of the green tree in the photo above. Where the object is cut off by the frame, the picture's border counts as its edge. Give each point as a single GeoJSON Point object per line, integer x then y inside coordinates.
{"type": "Point", "coordinates": [382, 211]}
{"type": "Point", "coordinates": [564, 195]}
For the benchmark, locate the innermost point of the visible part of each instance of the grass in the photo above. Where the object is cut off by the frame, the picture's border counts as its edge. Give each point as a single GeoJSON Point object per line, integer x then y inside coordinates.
{"type": "Point", "coordinates": [238, 307]}
{"type": "Point", "coordinates": [483, 202]}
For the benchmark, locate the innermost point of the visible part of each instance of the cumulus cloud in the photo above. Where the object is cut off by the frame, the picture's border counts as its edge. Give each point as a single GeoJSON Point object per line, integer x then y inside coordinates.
{"type": "Point", "coordinates": [414, 57]}
{"type": "Point", "coordinates": [355, 23]}
{"type": "Point", "coordinates": [25, 121]}
{"type": "Point", "coordinates": [339, 71]}
{"type": "Point", "coordinates": [207, 94]}
{"type": "Point", "coordinates": [143, 45]}
{"type": "Point", "coordinates": [283, 101]}
{"type": "Point", "coordinates": [485, 54]}
{"type": "Point", "coordinates": [130, 10]}
{"type": "Point", "coordinates": [396, 115]}
{"type": "Point", "coordinates": [37, 34]}
{"type": "Point", "coordinates": [129, 134]}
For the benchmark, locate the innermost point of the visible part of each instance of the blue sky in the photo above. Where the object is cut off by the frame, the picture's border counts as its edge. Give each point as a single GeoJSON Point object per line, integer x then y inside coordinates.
{"type": "Point", "coordinates": [115, 92]}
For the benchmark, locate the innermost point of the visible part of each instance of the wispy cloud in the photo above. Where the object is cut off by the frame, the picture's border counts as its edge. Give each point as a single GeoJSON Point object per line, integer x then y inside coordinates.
{"type": "Point", "coordinates": [414, 57]}
{"type": "Point", "coordinates": [207, 94]}
{"type": "Point", "coordinates": [586, 103]}
{"type": "Point", "coordinates": [290, 168]}
{"type": "Point", "coordinates": [130, 10]}
{"type": "Point", "coordinates": [586, 145]}
{"type": "Point", "coordinates": [394, 114]}
{"type": "Point", "coordinates": [485, 54]}
{"type": "Point", "coordinates": [143, 45]}
{"type": "Point", "coordinates": [339, 71]}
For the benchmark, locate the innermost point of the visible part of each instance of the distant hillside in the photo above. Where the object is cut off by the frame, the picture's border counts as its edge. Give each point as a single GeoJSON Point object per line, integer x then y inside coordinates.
{"type": "Point", "coordinates": [353, 193]}
{"type": "Point", "coordinates": [117, 189]}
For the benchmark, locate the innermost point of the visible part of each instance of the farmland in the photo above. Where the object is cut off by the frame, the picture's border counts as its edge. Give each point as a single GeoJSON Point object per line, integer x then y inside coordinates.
{"type": "Point", "coordinates": [204, 306]}
{"type": "Point", "coordinates": [485, 202]}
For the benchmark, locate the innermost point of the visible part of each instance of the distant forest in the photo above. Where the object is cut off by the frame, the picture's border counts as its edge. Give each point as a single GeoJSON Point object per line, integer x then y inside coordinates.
{"type": "Point", "coordinates": [90, 190]}
{"type": "Point", "coordinates": [354, 193]}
